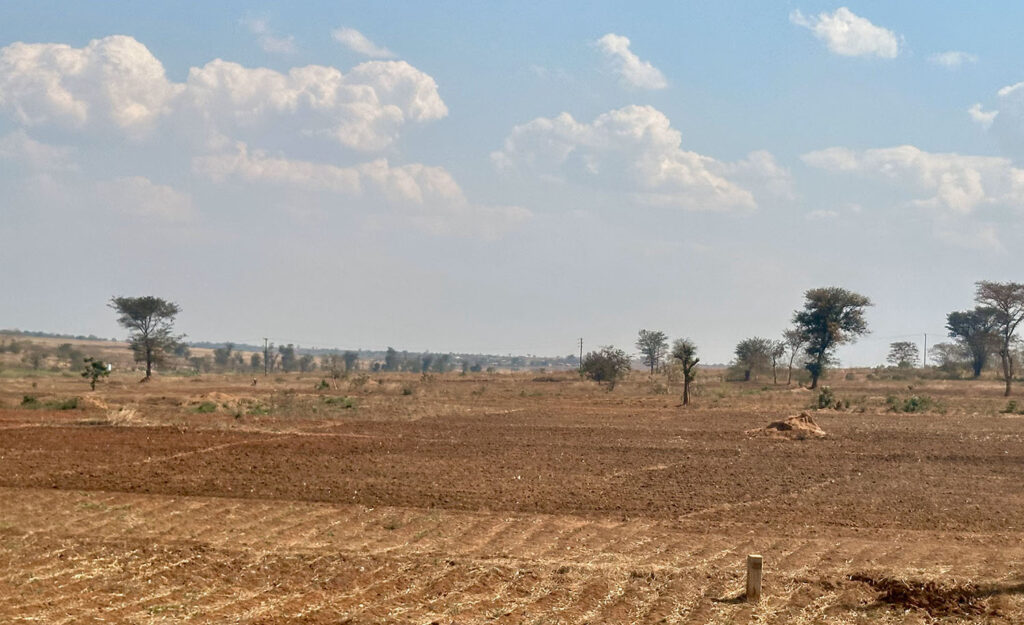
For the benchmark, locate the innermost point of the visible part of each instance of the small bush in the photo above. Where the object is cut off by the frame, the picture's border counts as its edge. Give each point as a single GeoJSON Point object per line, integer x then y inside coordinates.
{"type": "Point", "coordinates": [71, 403]}
{"type": "Point", "coordinates": [406, 390]}
{"type": "Point", "coordinates": [1012, 407]}
{"type": "Point", "coordinates": [341, 402]}
{"type": "Point", "coordinates": [914, 403]}
{"type": "Point", "coordinates": [29, 401]}
{"type": "Point", "coordinates": [322, 385]}
{"type": "Point", "coordinates": [206, 407]}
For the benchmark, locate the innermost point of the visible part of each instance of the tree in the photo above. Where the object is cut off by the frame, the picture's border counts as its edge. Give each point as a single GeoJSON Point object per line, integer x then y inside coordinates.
{"type": "Point", "coordinates": [952, 358]}
{"type": "Point", "coordinates": [150, 321]}
{"type": "Point", "coordinates": [67, 352]}
{"type": "Point", "coordinates": [391, 359]}
{"type": "Point", "coordinates": [222, 355]}
{"type": "Point", "coordinates": [351, 360]}
{"type": "Point", "coordinates": [685, 353]}
{"type": "Point", "coordinates": [288, 359]}
{"type": "Point", "coordinates": [1006, 299]}
{"type": "Point", "coordinates": [94, 370]}
{"type": "Point", "coordinates": [778, 350]}
{"type": "Point", "coordinates": [903, 354]}
{"type": "Point", "coordinates": [425, 363]}
{"type": "Point", "coordinates": [256, 361]}
{"type": "Point", "coordinates": [753, 355]}
{"type": "Point", "coordinates": [307, 363]}
{"type": "Point", "coordinates": [975, 331]}
{"type": "Point", "coordinates": [832, 316]}
{"type": "Point", "coordinates": [607, 364]}
{"type": "Point", "coordinates": [794, 341]}
{"type": "Point", "coordinates": [652, 345]}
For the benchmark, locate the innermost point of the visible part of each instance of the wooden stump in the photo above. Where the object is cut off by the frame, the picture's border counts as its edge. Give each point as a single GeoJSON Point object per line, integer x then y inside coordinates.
{"type": "Point", "coordinates": [755, 564]}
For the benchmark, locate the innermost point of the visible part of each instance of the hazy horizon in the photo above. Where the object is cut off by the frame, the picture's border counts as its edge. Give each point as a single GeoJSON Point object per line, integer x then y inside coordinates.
{"type": "Point", "coordinates": [507, 177]}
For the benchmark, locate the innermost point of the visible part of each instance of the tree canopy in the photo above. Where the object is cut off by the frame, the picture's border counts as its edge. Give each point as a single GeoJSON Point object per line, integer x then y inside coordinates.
{"type": "Point", "coordinates": [150, 321]}
{"type": "Point", "coordinates": [652, 345]}
{"type": "Point", "coordinates": [831, 316]}
{"type": "Point", "coordinates": [1006, 300]}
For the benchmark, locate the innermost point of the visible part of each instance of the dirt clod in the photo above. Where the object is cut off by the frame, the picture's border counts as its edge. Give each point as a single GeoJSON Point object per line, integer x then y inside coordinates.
{"type": "Point", "coordinates": [799, 426]}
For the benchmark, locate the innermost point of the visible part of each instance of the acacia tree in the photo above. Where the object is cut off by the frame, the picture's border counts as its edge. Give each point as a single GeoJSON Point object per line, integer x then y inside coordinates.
{"type": "Point", "coordinates": [1006, 299]}
{"type": "Point", "coordinates": [607, 364]}
{"type": "Point", "coordinates": [685, 353]}
{"type": "Point", "coordinates": [753, 355]}
{"type": "Point", "coordinates": [903, 354]}
{"type": "Point", "coordinates": [778, 350]}
{"type": "Point", "coordinates": [794, 341]}
{"type": "Point", "coordinates": [652, 345]}
{"type": "Point", "coordinates": [975, 331]}
{"type": "Point", "coordinates": [831, 317]}
{"type": "Point", "coordinates": [150, 321]}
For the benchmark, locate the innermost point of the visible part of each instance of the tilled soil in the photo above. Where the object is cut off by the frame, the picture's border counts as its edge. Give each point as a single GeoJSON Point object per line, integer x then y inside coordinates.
{"type": "Point", "coordinates": [519, 508]}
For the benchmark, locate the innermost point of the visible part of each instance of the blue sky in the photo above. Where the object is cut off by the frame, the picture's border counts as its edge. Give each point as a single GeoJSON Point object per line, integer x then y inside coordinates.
{"type": "Point", "coordinates": [507, 177]}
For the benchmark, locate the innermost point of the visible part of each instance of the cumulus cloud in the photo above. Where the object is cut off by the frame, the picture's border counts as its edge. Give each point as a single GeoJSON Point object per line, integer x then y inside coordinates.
{"type": "Point", "coordinates": [633, 71]}
{"type": "Point", "coordinates": [636, 151]}
{"type": "Point", "coordinates": [18, 146]}
{"type": "Point", "coordinates": [114, 81]}
{"type": "Point", "coordinates": [428, 196]}
{"type": "Point", "coordinates": [363, 110]}
{"type": "Point", "coordinates": [359, 43]}
{"type": "Point", "coordinates": [848, 34]}
{"type": "Point", "coordinates": [985, 118]}
{"type": "Point", "coordinates": [955, 184]}
{"type": "Point", "coordinates": [268, 40]}
{"type": "Point", "coordinates": [953, 59]}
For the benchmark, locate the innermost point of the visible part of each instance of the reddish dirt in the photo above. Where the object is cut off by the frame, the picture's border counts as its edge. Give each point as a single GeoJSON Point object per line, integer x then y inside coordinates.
{"type": "Point", "coordinates": [523, 503]}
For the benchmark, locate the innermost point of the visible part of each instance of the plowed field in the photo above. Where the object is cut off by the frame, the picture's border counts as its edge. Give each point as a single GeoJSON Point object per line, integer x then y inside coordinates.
{"type": "Point", "coordinates": [503, 499]}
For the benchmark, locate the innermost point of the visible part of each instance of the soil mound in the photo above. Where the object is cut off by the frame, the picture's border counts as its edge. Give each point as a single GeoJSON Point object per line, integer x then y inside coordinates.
{"type": "Point", "coordinates": [799, 426]}
{"type": "Point", "coordinates": [934, 598]}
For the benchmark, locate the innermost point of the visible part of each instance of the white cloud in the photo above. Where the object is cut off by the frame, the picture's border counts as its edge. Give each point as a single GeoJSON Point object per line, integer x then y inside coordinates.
{"type": "Point", "coordinates": [634, 150]}
{"type": "Point", "coordinates": [268, 40]}
{"type": "Point", "coordinates": [985, 118]}
{"type": "Point", "coordinates": [427, 196]}
{"type": "Point", "coordinates": [631, 69]}
{"type": "Point", "coordinates": [363, 110]}
{"type": "Point", "coordinates": [114, 81]}
{"type": "Point", "coordinates": [18, 146]}
{"type": "Point", "coordinates": [848, 34]}
{"type": "Point", "coordinates": [140, 197]}
{"type": "Point", "coordinates": [358, 42]}
{"type": "Point", "coordinates": [955, 184]}
{"type": "Point", "coordinates": [953, 59]}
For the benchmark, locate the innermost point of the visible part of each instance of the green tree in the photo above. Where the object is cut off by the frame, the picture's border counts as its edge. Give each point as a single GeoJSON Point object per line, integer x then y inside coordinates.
{"type": "Point", "coordinates": [288, 357]}
{"type": "Point", "coordinates": [606, 365]}
{"type": "Point", "coordinates": [94, 370]}
{"type": "Point", "coordinates": [832, 316]}
{"type": "Point", "coordinates": [307, 363]}
{"type": "Point", "coordinates": [222, 355]}
{"type": "Point", "coordinates": [351, 360]}
{"type": "Point", "coordinates": [652, 345]}
{"type": "Point", "coordinates": [685, 353]}
{"type": "Point", "coordinates": [903, 354]}
{"type": "Point", "coordinates": [256, 361]}
{"type": "Point", "coordinates": [1006, 299]}
{"type": "Point", "coordinates": [150, 321]}
{"type": "Point", "coordinates": [754, 355]}
{"type": "Point", "coordinates": [975, 331]}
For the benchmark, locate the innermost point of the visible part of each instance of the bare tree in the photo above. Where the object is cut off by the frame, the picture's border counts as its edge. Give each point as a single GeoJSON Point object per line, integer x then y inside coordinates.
{"type": "Point", "coordinates": [794, 341]}
{"type": "Point", "coordinates": [778, 350]}
{"type": "Point", "coordinates": [1006, 299]}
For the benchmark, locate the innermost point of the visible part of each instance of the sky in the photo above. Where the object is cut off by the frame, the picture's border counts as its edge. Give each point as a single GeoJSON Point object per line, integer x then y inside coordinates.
{"type": "Point", "coordinates": [507, 177]}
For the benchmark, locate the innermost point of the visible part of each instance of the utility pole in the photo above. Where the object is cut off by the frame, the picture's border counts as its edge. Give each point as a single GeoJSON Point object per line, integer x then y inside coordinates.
{"type": "Point", "coordinates": [266, 352]}
{"type": "Point", "coordinates": [924, 356]}
{"type": "Point", "coordinates": [581, 356]}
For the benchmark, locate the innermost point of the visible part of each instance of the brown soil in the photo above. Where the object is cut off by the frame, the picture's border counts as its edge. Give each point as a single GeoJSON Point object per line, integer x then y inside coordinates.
{"type": "Point", "coordinates": [799, 427]}
{"type": "Point", "coordinates": [501, 499]}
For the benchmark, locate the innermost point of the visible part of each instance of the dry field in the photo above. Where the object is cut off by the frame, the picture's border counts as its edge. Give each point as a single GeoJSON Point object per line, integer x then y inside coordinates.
{"type": "Point", "coordinates": [503, 499]}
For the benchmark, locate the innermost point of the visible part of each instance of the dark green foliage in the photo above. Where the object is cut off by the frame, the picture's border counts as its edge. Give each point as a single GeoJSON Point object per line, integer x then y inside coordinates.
{"type": "Point", "coordinates": [150, 321]}
{"type": "Point", "coordinates": [652, 345]}
{"type": "Point", "coordinates": [606, 365]}
{"type": "Point", "coordinates": [94, 370]}
{"type": "Point", "coordinates": [914, 403]}
{"type": "Point", "coordinates": [831, 317]}
{"type": "Point", "coordinates": [975, 331]}
{"type": "Point", "coordinates": [684, 352]}
{"type": "Point", "coordinates": [206, 407]}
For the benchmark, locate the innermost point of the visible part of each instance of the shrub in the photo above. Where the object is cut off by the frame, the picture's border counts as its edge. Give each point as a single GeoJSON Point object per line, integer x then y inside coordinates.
{"type": "Point", "coordinates": [206, 407]}
{"type": "Point", "coordinates": [914, 403]}
{"type": "Point", "coordinates": [341, 402]}
{"type": "Point", "coordinates": [606, 365]}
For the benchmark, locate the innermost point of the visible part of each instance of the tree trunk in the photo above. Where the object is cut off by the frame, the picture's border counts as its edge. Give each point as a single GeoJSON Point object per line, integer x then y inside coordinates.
{"type": "Point", "coordinates": [775, 375]}
{"type": "Point", "coordinates": [746, 375]}
{"type": "Point", "coordinates": [814, 380]}
{"type": "Point", "coordinates": [1007, 369]}
{"type": "Point", "coordinates": [149, 362]}
{"type": "Point", "coordinates": [686, 392]}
